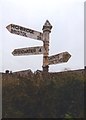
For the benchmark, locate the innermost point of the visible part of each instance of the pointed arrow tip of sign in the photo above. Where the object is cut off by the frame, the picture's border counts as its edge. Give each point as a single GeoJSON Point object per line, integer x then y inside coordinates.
{"type": "Point", "coordinates": [13, 53]}
{"type": "Point", "coordinates": [67, 53]}
{"type": "Point", "coordinates": [8, 27]}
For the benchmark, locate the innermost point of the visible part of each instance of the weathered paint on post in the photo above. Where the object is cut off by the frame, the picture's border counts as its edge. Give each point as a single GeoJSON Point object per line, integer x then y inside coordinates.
{"type": "Point", "coordinates": [46, 31]}
{"type": "Point", "coordinates": [59, 58]}
{"type": "Point", "coordinates": [26, 32]}
{"type": "Point", "coordinates": [28, 51]}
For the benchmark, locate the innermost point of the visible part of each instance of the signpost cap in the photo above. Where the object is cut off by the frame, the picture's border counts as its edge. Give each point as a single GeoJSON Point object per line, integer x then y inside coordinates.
{"type": "Point", "coordinates": [47, 26]}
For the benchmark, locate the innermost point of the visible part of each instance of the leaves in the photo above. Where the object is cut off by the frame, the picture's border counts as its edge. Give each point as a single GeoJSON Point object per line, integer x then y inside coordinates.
{"type": "Point", "coordinates": [51, 96]}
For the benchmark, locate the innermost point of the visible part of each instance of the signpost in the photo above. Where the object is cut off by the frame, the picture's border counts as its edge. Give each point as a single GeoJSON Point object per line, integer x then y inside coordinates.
{"type": "Point", "coordinates": [59, 58]}
{"type": "Point", "coordinates": [28, 51]}
{"type": "Point", "coordinates": [46, 31]}
{"type": "Point", "coordinates": [26, 32]}
{"type": "Point", "coordinates": [44, 37]}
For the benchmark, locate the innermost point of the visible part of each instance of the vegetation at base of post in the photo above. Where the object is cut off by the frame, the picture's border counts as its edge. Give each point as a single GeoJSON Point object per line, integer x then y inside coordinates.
{"type": "Point", "coordinates": [48, 95]}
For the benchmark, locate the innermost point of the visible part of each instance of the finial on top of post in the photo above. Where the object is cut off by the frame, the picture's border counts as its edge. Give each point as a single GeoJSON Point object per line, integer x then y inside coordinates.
{"type": "Point", "coordinates": [47, 26]}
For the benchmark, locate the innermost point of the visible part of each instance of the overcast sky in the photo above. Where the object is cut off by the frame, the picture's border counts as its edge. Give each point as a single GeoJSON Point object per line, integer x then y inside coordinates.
{"type": "Point", "coordinates": [67, 34]}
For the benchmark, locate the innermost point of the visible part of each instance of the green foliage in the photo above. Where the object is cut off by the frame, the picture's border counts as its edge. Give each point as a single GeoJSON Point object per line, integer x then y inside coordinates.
{"type": "Point", "coordinates": [57, 96]}
{"type": "Point", "coordinates": [68, 116]}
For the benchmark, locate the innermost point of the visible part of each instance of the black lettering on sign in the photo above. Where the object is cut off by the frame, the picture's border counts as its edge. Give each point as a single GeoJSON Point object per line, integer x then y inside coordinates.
{"type": "Point", "coordinates": [30, 31]}
{"type": "Point", "coordinates": [20, 52]}
{"type": "Point", "coordinates": [25, 51]}
{"type": "Point", "coordinates": [29, 50]}
{"type": "Point", "coordinates": [12, 26]}
{"type": "Point", "coordinates": [12, 31]}
{"type": "Point", "coordinates": [21, 28]}
{"type": "Point", "coordinates": [23, 33]}
{"type": "Point", "coordinates": [16, 27]}
{"type": "Point", "coordinates": [16, 51]}
{"type": "Point", "coordinates": [34, 50]}
{"type": "Point", "coordinates": [17, 32]}
{"type": "Point", "coordinates": [40, 50]}
{"type": "Point", "coordinates": [27, 30]}
{"type": "Point", "coordinates": [38, 37]}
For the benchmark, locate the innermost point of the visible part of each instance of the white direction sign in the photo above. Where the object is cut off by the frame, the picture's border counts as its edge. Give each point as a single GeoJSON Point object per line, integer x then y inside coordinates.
{"type": "Point", "coordinates": [59, 58]}
{"type": "Point", "coordinates": [26, 32]}
{"type": "Point", "coordinates": [28, 51]}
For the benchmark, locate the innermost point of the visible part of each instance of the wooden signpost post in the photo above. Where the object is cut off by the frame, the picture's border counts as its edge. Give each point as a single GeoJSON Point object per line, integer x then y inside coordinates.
{"type": "Point", "coordinates": [44, 37]}
{"type": "Point", "coordinates": [46, 31]}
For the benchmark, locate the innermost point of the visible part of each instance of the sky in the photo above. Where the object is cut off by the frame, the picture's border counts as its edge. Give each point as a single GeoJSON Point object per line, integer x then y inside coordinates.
{"type": "Point", "coordinates": [67, 34]}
